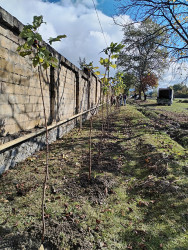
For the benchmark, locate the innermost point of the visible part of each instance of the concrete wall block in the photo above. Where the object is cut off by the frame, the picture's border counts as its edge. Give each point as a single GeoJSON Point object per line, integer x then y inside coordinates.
{"type": "Point", "coordinates": [19, 69]}
{"type": "Point", "coordinates": [13, 56]}
{"type": "Point", "coordinates": [35, 99]}
{"type": "Point", "coordinates": [3, 98]}
{"type": "Point", "coordinates": [3, 75]}
{"type": "Point", "coordinates": [6, 110]}
{"type": "Point", "coordinates": [20, 90]}
{"type": "Point", "coordinates": [24, 80]}
{"type": "Point", "coordinates": [10, 78]}
{"type": "Point", "coordinates": [37, 92]}
{"type": "Point", "coordinates": [7, 88]}
{"type": "Point", "coordinates": [33, 123]}
{"type": "Point", "coordinates": [34, 83]}
{"type": "Point", "coordinates": [21, 118]}
{"type": "Point", "coordinates": [16, 79]}
{"type": "Point", "coordinates": [4, 53]}
{"type": "Point", "coordinates": [13, 128]}
{"type": "Point", "coordinates": [22, 99]}
{"type": "Point", "coordinates": [37, 108]}
{"type": "Point", "coordinates": [32, 91]}
{"type": "Point", "coordinates": [28, 107]}
{"type": "Point", "coordinates": [14, 45]}
{"type": "Point", "coordinates": [9, 121]}
{"type": "Point", "coordinates": [5, 42]}
{"type": "Point", "coordinates": [14, 38]}
{"type": "Point", "coordinates": [18, 108]}
{"type": "Point", "coordinates": [25, 62]}
{"type": "Point", "coordinates": [6, 65]}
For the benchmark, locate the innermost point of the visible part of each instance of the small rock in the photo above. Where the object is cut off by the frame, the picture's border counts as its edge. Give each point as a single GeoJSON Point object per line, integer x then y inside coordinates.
{"type": "Point", "coordinates": [41, 247]}
{"type": "Point", "coordinates": [53, 190]}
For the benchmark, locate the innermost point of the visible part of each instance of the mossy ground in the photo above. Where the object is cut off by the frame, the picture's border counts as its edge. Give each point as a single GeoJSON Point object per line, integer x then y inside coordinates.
{"type": "Point", "coordinates": [136, 198]}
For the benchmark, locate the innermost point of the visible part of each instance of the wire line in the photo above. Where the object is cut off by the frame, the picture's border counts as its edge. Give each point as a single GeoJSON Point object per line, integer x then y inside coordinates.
{"type": "Point", "coordinates": [99, 22]}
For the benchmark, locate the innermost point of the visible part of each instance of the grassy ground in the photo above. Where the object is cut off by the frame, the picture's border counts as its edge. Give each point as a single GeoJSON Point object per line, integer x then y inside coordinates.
{"type": "Point", "coordinates": [179, 105]}
{"type": "Point", "coordinates": [136, 198]}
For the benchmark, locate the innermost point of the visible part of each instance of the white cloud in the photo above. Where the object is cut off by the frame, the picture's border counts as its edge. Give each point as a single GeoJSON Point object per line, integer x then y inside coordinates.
{"type": "Point", "coordinates": [77, 19]}
{"type": "Point", "coordinates": [177, 73]}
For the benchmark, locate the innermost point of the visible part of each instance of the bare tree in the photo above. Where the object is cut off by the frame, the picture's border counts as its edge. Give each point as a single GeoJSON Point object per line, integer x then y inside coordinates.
{"type": "Point", "coordinates": [171, 15]}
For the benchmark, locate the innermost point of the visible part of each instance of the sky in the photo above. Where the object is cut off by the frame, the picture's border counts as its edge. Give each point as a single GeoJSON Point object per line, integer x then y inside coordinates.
{"type": "Point", "coordinates": [77, 19]}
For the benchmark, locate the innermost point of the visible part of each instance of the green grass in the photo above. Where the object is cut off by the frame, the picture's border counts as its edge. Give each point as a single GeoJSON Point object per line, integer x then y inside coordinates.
{"type": "Point", "coordinates": [177, 106]}
{"type": "Point", "coordinates": [140, 212]}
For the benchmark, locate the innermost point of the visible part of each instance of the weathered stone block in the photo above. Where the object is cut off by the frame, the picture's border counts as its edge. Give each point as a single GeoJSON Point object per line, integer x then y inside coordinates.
{"type": "Point", "coordinates": [20, 90]}
{"type": "Point", "coordinates": [28, 107]}
{"type": "Point", "coordinates": [22, 99]}
{"type": "Point", "coordinates": [16, 79]}
{"type": "Point", "coordinates": [3, 98]}
{"type": "Point", "coordinates": [4, 53]}
{"type": "Point", "coordinates": [19, 108]}
{"type": "Point", "coordinates": [13, 128]}
{"type": "Point", "coordinates": [6, 110]}
{"type": "Point", "coordinates": [33, 91]}
{"type": "Point", "coordinates": [35, 99]}
{"type": "Point", "coordinates": [12, 99]}
{"type": "Point", "coordinates": [24, 80]}
{"type": "Point", "coordinates": [3, 75]}
{"type": "Point", "coordinates": [19, 69]}
{"type": "Point", "coordinates": [5, 42]}
{"type": "Point", "coordinates": [7, 88]}
{"type": "Point", "coordinates": [21, 119]}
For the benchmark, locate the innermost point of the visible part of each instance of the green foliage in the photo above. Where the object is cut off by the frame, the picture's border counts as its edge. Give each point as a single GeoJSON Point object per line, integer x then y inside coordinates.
{"type": "Point", "coordinates": [129, 80]}
{"type": "Point", "coordinates": [113, 48]}
{"type": "Point", "coordinates": [37, 21]}
{"type": "Point", "coordinates": [180, 90]}
{"type": "Point", "coordinates": [104, 61]}
{"type": "Point", "coordinates": [40, 55]}
{"type": "Point", "coordinates": [143, 54]}
{"type": "Point", "coordinates": [56, 39]}
{"type": "Point", "coordinates": [90, 67]}
{"type": "Point", "coordinates": [118, 83]}
{"type": "Point", "coordinates": [113, 53]}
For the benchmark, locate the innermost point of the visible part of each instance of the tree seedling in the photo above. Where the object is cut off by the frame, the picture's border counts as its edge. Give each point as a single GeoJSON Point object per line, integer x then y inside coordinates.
{"type": "Point", "coordinates": [41, 57]}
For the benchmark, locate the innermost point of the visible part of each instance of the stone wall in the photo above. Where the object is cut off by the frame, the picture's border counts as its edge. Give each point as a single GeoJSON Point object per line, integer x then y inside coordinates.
{"type": "Point", "coordinates": [67, 90]}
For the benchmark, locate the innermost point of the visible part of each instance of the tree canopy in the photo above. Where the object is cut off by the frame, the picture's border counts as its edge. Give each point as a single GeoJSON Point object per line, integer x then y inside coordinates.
{"type": "Point", "coordinates": [143, 55]}
{"type": "Point", "coordinates": [171, 15]}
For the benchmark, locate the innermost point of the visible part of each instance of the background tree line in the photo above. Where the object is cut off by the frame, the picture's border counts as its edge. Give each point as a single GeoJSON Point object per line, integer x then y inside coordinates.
{"type": "Point", "coordinates": [180, 90]}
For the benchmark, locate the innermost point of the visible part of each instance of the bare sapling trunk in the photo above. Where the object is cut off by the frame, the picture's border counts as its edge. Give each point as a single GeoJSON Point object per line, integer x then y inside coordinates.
{"type": "Point", "coordinates": [46, 177]}
{"type": "Point", "coordinates": [107, 112]}
{"type": "Point", "coordinates": [107, 102]}
{"type": "Point", "coordinates": [102, 128]}
{"type": "Point", "coordinates": [103, 114]}
{"type": "Point", "coordinates": [90, 145]}
{"type": "Point", "coordinates": [80, 123]}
